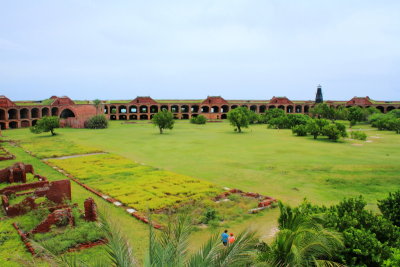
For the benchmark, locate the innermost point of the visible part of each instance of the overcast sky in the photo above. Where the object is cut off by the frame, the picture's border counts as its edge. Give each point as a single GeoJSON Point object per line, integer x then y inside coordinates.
{"type": "Point", "coordinates": [190, 49]}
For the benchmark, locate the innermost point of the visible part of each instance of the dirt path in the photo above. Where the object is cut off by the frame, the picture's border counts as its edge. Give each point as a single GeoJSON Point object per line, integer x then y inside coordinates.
{"type": "Point", "coordinates": [76, 156]}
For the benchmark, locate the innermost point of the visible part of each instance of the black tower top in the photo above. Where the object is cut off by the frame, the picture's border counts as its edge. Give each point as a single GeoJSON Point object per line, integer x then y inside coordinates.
{"type": "Point", "coordinates": [318, 97]}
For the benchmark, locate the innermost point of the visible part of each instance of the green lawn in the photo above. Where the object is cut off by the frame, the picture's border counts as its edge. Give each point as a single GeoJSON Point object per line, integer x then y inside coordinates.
{"type": "Point", "coordinates": [270, 162]}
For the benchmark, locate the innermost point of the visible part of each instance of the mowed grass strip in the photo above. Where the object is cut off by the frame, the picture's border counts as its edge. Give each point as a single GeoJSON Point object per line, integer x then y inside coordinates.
{"type": "Point", "coordinates": [140, 186]}
{"type": "Point", "coordinates": [44, 146]}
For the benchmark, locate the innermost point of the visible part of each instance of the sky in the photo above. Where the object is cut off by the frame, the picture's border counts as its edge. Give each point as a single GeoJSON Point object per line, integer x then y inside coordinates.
{"type": "Point", "coordinates": [238, 49]}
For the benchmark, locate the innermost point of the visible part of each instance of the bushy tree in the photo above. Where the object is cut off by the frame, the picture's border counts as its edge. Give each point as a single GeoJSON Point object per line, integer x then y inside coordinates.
{"type": "Point", "coordinates": [390, 207]}
{"type": "Point", "coordinates": [198, 120]}
{"type": "Point", "coordinates": [331, 131]}
{"type": "Point", "coordinates": [325, 111]}
{"type": "Point", "coordinates": [239, 118]}
{"type": "Point", "coordinates": [46, 124]}
{"type": "Point", "coordinates": [300, 130]}
{"type": "Point", "coordinates": [163, 120]}
{"type": "Point", "coordinates": [273, 113]}
{"type": "Point", "coordinates": [97, 122]}
{"type": "Point", "coordinates": [315, 126]}
{"type": "Point", "coordinates": [356, 114]}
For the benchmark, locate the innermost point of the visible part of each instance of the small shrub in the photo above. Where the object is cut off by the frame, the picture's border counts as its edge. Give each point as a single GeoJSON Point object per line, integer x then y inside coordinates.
{"type": "Point", "coordinates": [198, 120]}
{"type": "Point", "coordinates": [97, 122]}
{"type": "Point", "coordinates": [358, 135]}
{"type": "Point", "coordinates": [300, 130]}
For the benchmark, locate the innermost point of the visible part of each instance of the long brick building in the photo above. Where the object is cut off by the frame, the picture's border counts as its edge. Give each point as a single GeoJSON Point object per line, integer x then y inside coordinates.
{"type": "Point", "coordinates": [17, 114]}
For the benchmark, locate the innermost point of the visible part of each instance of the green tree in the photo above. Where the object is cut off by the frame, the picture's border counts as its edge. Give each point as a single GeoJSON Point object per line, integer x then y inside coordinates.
{"type": "Point", "coordinates": [356, 114]}
{"type": "Point", "coordinates": [46, 124]}
{"type": "Point", "coordinates": [97, 105]}
{"type": "Point", "coordinates": [273, 113]}
{"type": "Point", "coordinates": [239, 118]}
{"type": "Point", "coordinates": [390, 207]}
{"type": "Point", "coordinates": [315, 126]}
{"type": "Point", "coordinates": [164, 120]}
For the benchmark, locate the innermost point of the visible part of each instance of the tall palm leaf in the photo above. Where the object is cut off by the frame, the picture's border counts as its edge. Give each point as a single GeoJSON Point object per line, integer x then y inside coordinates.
{"type": "Point", "coordinates": [118, 249]}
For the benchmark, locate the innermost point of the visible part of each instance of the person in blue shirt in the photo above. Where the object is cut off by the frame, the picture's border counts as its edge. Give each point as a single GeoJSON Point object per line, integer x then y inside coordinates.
{"type": "Point", "coordinates": [224, 238]}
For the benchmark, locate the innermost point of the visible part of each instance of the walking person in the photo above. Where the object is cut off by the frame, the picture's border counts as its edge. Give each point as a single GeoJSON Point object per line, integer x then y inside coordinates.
{"type": "Point", "coordinates": [231, 239]}
{"type": "Point", "coordinates": [225, 237]}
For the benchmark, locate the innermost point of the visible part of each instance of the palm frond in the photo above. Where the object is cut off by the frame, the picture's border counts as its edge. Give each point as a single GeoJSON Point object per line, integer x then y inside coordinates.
{"type": "Point", "coordinates": [118, 248]}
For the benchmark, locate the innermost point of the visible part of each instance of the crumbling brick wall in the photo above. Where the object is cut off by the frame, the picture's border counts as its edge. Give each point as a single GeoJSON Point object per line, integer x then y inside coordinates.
{"type": "Point", "coordinates": [15, 173]}
{"type": "Point", "coordinates": [60, 217]}
{"type": "Point", "coordinates": [90, 210]}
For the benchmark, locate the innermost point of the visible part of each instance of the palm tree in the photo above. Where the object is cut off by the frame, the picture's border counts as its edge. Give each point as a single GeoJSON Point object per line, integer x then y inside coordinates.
{"type": "Point", "coordinates": [168, 248]}
{"type": "Point", "coordinates": [97, 104]}
{"type": "Point", "coordinates": [301, 241]}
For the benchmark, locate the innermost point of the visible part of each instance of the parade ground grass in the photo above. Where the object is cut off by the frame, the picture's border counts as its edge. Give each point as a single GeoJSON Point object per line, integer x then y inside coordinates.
{"type": "Point", "coordinates": [267, 161]}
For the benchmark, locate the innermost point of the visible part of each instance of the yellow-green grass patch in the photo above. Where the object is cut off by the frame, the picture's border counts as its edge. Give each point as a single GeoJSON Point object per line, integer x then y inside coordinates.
{"type": "Point", "coordinates": [46, 146]}
{"type": "Point", "coordinates": [136, 185]}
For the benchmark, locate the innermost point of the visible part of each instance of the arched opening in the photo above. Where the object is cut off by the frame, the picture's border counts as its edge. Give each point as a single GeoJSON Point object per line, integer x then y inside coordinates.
{"type": "Point", "coordinates": [245, 106]}
{"type": "Point", "coordinates": [2, 125]}
{"type": "Point", "coordinates": [24, 113]}
{"type": "Point", "coordinates": [253, 108]}
{"type": "Point", "coordinates": [35, 113]}
{"type": "Point", "coordinates": [34, 122]}
{"type": "Point", "coordinates": [281, 107]}
{"type": "Point", "coordinates": [164, 107]}
{"type": "Point", "coordinates": [298, 109]}
{"type": "Point", "coordinates": [113, 110]}
{"type": "Point", "coordinates": [122, 109]}
{"type": "Point", "coordinates": [306, 109]}
{"type": "Point", "coordinates": [185, 109]}
{"type": "Point", "coordinates": [151, 116]}
{"type": "Point", "coordinates": [271, 107]}
{"type": "Point", "coordinates": [67, 113]}
{"type": "Point", "coordinates": [174, 109]}
{"type": "Point", "coordinates": [133, 109]}
{"type": "Point", "coordinates": [143, 109]}
{"type": "Point", "coordinates": [113, 117]}
{"type": "Point", "coordinates": [289, 109]}
{"type": "Point", "coordinates": [13, 125]}
{"type": "Point", "coordinates": [45, 112]}
{"type": "Point", "coordinates": [263, 108]}
{"type": "Point", "coordinates": [133, 117]}
{"type": "Point", "coordinates": [214, 109]}
{"type": "Point", "coordinates": [153, 109]}
{"type": "Point", "coordinates": [54, 112]}
{"type": "Point", "coordinates": [25, 124]}
{"type": "Point", "coordinates": [389, 108]}
{"type": "Point", "coordinates": [144, 116]}
{"type": "Point", "coordinates": [105, 111]}
{"type": "Point", "coordinates": [224, 108]}
{"type": "Point", "coordinates": [122, 117]}
{"type": "Point", "coordinates": [223, 116]}
{"type": "Point", "coordinates": [185, 116]}
{"type": "Point", "coordinates": [205, 109]}
{"type": "Point", "coordinates": [195, 108]}
{"type": "Point", "coordinates": [234, 106]}
{"type": "Point", "coordinates": [195, 115]}
{"type": "Point", "coordinates": [381, 109]}
{"type": "Point", "coordinates": [2, 115]}
{"type": "Point", "coordinates": [12, 114]}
